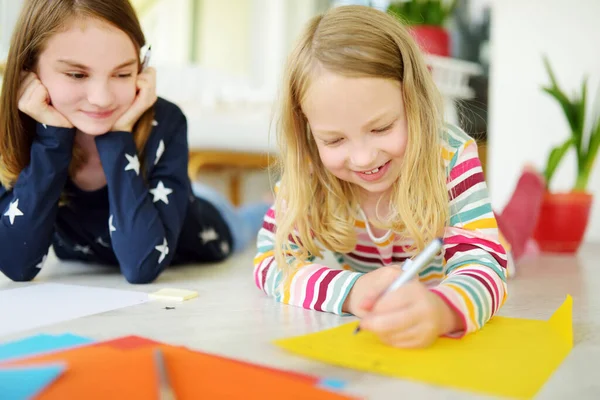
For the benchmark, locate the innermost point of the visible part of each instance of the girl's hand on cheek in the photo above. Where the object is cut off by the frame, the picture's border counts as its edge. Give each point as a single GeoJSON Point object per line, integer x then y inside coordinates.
{"type": "Point", "coordinates": [34, 101]}
{"type": "Point", "coordinates": [144, 99]}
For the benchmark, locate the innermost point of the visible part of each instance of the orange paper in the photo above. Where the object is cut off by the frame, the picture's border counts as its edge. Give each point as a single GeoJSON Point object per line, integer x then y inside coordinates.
{"type": "Point", "coordinates": [99, 372]}
{"type": "Point", "coordinates": [197, 375]}
{"type": "Point", "coordinates": [127, 371]}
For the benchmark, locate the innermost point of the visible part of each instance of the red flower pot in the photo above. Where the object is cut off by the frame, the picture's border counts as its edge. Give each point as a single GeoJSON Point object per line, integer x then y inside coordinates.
{"type": "Point", "coordinates": [432, 39]}
{"type": "Point", "coordinates": [562, 221]}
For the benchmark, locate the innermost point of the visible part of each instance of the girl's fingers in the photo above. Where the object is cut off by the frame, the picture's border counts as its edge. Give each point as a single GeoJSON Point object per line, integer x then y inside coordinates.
{"type": "Point", "coordinates": [400, 298]}
{"type": "Point", "coordinates": [393, 322]}
{"type": "Point", "coordinates": [403, 338]}
{"type": "Point", "coordinates": [26, 82]}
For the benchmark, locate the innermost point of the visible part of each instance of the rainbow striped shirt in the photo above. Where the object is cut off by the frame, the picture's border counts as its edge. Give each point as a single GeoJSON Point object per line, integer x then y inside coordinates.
{"type": "Point", "coordinates": [470, 274]}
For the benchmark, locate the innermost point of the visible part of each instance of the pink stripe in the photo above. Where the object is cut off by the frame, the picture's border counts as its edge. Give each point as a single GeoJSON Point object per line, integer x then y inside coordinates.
{"type": "Point", "coordinates": [256, 275]}
{"type": "Point", "coordinates": [364, 259]}
{"type": "Point", "coordinates": [310, 286]}
{"type": "Point", "coordinates": [271, 213]}
{"type": "Point", "coordinates": [323, 288]}
{"type": "Point", "coordinates": [258, 272]}
{"type": "Point", "coordinates": [460, 239]}
{"type": "Point", "coordinates": [366, 249]}
{"type": "Point", "coordinates": [463, 167]}
{"type": "Point", "coordinates": [265, 271]}
{"type": "Point", "coordinates": [269, 226]}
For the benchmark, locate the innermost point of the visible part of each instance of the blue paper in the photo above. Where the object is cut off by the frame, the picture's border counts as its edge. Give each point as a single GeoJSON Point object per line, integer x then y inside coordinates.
{"type": "Point", "coordinates": [21, 383]}
{"type": "Point", "coordinates": [43, 343]}
{"type": "Point", "coordinates": [332, 383]}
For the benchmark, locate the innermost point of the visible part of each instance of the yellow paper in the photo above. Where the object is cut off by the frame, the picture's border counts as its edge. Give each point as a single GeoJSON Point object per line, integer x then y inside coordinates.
{"type": "Point", "coordinates": [508, 357]}
{"type": "Point", "coordinates": [174, 294]}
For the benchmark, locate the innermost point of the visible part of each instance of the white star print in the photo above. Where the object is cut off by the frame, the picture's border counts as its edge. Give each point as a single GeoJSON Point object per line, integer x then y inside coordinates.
{"type": "Point", "coordinates": [163, 249]}
{"type": "Point", "coordinates": [101, 242]}
{"type": "Point", "coordinates": [111, 227]}
{"type": "Point", "coordinates": [154, 122]}
{"type": "Point", "coordinates": [159, 151]}
{"type": "Point", "coordinates": [13, 211]}
{"type": "Point", "coordinates": [82, 249]}
{"type": "Point", "coordinates": [208, 235]}
{"type": "Point", "coordinates": [225, 247]}
{"type": "Point", "coordinates": [134, 163]}
{"type": "Point", "coordinates": [41, 263]}
{"type": "Point", "coordinates": [160, 193]}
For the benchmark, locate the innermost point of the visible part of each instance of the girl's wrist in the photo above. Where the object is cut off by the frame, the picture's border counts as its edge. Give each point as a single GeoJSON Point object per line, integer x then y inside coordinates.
{"type": "Point", "coordinates": [352, 302]}
{"type": "Point", "coordinates": [450, 320]}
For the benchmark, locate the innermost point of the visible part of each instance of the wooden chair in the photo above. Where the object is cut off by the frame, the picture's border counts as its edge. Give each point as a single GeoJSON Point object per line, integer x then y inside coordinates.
{"type": "Point", "coordinates": [235, 162]}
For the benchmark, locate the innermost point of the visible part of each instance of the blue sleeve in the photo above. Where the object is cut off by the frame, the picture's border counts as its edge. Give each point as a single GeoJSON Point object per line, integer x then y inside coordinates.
{"type": "Point", "coordinates": [29, 210]}
{"type": "Point", "coordinates": [146, 216]}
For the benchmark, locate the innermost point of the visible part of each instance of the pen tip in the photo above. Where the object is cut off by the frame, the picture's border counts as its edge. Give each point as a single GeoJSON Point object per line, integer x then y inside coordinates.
{"type": "Point", "coordinates": [357, 329]}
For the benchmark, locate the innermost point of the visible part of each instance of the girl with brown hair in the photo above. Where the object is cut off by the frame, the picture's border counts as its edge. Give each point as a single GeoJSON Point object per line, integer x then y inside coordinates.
{"type": "Point", "coordinates": [91, 161]}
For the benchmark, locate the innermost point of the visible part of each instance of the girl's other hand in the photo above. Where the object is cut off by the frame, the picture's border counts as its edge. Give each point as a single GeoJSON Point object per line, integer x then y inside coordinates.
{"type": "Point", "coordinates": [34, 101]}
{"type": "Point", "coordinates": [145, 98]}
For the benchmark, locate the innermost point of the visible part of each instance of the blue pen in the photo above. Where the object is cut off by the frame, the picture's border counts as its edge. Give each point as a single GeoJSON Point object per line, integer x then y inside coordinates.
{"type": "Point", "coordinates": [412, 267]}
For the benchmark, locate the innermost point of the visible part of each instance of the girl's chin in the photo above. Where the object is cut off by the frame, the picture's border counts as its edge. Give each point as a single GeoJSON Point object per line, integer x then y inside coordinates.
{"type": "Point", "coordinates": [94, 129]}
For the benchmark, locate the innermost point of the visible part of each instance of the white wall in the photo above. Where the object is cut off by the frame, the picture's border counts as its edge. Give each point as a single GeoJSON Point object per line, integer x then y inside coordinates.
{"type": "Point", "coordinates": [525, 122]}
{"type": "Point", "coordinates": [9, 12]}
{"type": "Point", "coordinates": [166, 25]}
{"type": "Point", "coordinates": [223, 32]}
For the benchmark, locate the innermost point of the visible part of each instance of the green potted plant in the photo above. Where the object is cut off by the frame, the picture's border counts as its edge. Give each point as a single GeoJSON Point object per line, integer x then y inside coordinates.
{"type": "Point", "coordinates": [426, 19]}
{"type": "Point", "coordinates": [564, 216]}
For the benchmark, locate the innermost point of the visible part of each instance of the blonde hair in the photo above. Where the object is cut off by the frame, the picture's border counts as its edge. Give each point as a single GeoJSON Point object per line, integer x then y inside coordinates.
{"type": "Point", "coordinates": [314, 208]}
{"type": "Point", "coordinates": [39, 20]}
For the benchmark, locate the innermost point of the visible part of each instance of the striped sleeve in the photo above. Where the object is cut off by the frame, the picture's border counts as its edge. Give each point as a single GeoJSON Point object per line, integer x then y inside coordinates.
{"type": "Point", "coordinates": [476, 262]}
{"type": "Point", "coordinates": [312, 286]}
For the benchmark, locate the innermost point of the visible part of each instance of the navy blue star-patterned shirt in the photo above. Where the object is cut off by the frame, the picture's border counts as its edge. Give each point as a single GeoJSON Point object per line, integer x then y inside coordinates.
{"type": "Point", "coordinates": [140, 224]}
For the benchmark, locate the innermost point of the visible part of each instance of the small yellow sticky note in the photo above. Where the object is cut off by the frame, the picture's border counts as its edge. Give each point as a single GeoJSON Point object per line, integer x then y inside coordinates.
{"type": "Point", "coordinates": [511, 357]}
{"type": "Point", "coordinates": [174, 294]}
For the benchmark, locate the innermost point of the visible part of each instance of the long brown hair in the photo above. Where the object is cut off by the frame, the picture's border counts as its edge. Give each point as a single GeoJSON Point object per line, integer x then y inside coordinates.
{"type": "Point", "coordinates": [39, 20]}
{"type": "Point", "coordinates": [314, 207]}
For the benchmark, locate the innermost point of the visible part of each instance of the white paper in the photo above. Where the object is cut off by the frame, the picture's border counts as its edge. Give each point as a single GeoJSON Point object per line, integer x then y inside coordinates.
{"type": "Point", "coordinates": [44, 304]}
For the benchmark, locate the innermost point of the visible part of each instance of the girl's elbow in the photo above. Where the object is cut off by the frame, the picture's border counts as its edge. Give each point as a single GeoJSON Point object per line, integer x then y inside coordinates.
{"type": "Point", "coordinates": [140, 274]}
{"type": "Point", "coordinates": [19, 273]}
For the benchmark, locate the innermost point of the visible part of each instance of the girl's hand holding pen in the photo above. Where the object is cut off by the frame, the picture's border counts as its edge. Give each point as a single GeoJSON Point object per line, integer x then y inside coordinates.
{"type": "Point", "coordinates": [374, 282]}
{"type": "Point", "coordinates": [398, 308]}
{"type": "Point", "coordinates": [410, 316]}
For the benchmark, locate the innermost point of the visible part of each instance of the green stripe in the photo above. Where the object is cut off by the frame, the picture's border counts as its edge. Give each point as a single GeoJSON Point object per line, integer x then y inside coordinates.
{"type": "Point", "coordinates": [273, 280]}
{"type": "Point", "coordinates": [471, 215]}
{"type": "Point", "coordinates": [452, 162]}
{"type": "Point", "coordinates": [453, 142]}
{"type": "Point", "coordinates": [339, 295]}
{"type": "Point", "coordinates": [431, 269]}
{"type": "Point", "coordinates": [456, 206]}
{"type": "Point", "coordinates": [477, 294]}
{"type": "Point", "coordinates": [461, 134]}
{"type": "Point", "coordinates": [264, 249]}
